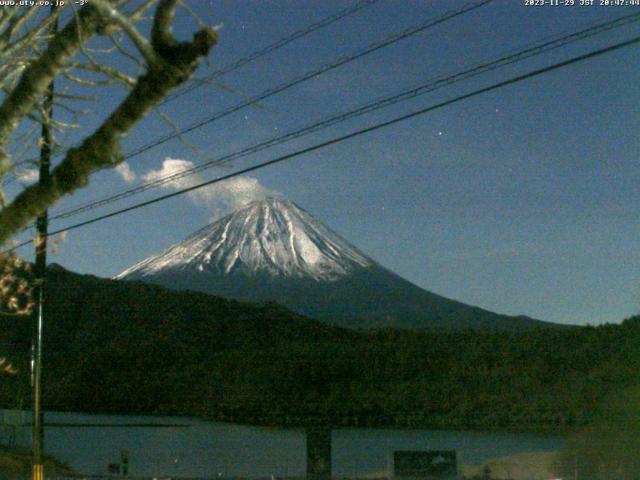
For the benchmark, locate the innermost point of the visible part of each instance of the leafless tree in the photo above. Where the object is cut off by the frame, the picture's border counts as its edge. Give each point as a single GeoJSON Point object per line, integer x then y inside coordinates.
{"type": "Point", "coordinates": [32, 56]}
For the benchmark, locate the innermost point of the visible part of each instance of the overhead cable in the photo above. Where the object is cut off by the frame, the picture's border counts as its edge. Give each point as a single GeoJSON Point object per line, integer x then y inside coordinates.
{"type": "Point", "coordinates": [430, 86]}
{"type": "Point", "coordinates": [197, 83]}
{"type": "Point", "coordinates": [354, 134]}
{"type": "Point", "coordinates": [390, 40]}
{"type": "Point", "coordinates": [325, 22]}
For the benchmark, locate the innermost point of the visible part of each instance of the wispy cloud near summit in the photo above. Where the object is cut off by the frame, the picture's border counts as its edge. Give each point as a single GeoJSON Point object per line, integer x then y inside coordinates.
{"type": "Point", "coordinates": [220, 198]}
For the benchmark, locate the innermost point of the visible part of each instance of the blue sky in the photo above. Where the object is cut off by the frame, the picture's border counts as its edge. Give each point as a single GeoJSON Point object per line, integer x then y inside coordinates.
{"type": "Point", "coordinates": [523, 200]}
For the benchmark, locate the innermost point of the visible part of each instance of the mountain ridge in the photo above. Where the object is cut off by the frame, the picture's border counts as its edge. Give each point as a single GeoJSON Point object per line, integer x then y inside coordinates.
{"type": "Point", "coordinates": [286, 241]}
{"type": "Point", "coordinates": [273, 250]}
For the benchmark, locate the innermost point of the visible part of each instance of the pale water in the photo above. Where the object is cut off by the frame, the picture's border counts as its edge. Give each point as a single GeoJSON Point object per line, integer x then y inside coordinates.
{"type": "Point", "coordinates": [187, 447]}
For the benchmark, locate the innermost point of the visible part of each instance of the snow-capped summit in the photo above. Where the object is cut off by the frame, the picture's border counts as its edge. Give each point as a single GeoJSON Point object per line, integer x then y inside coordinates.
{"type": "Point", "coordinates": [273, 250]}
{"type": "Point", "coordinates": [270, 237]}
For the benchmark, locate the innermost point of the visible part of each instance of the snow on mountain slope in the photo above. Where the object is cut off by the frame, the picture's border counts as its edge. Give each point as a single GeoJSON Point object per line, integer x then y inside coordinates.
{"type": "Point", "coordinates": [272, 250]}
{"type": "Point", "coordinates": [270, 237]}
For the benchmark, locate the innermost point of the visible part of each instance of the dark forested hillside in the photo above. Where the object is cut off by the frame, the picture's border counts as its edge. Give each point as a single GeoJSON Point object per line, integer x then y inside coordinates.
{"type": "Point", "coordinates": [133, 348]}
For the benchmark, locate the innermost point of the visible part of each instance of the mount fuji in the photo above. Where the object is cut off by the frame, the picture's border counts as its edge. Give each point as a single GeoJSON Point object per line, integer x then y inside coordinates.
{"type": "Point", "coordinates": [273, 250]}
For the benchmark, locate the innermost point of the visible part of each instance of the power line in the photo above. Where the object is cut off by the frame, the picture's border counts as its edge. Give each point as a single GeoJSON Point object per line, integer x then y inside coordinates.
{"type": "Point", "coordinates": [343, 138]}
{"type": "Point", "coordinates": [325, 22]}
{"type": "Point", "coordinates": [430, 86]}
{"type": "Point", "coordinates": [394, 38]}
{"type": "Point", "coordinates": [270, 48]}
{"type": "Point", "coordinates": [391, 39]}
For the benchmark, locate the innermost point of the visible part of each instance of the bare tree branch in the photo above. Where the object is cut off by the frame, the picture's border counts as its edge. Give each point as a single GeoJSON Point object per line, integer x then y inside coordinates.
{"type": "Point", "coordinates": [118, 44]}
{"type": "Point", "coordinates": [113, 74]}
{"type": "Point", "coordinates": [139, 12]}
{"type": "Point", "coordinates": [129, 28]}
{"type": "Point", "coordinates": [39, 74]}
{"type": "Point", "coordinates": [9, 46]}
{"type": "Point", "coordinates": [174, 63]}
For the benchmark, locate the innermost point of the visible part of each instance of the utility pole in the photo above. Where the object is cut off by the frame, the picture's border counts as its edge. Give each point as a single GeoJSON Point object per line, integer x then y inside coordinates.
{"type": "Point", "coordinates": [46, 143]}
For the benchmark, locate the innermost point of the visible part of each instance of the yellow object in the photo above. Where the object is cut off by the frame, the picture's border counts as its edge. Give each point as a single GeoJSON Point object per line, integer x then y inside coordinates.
{"type": "Point", "coordinates": [38, 471]}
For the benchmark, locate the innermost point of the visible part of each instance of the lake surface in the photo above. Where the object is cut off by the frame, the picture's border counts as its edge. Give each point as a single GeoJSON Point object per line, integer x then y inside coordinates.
{"type": "Point", "coordinates": [187, 447]}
